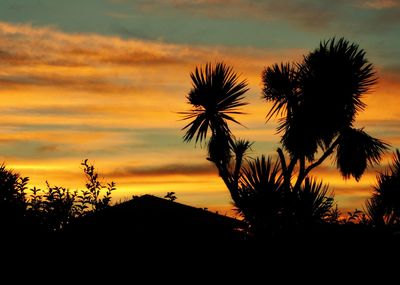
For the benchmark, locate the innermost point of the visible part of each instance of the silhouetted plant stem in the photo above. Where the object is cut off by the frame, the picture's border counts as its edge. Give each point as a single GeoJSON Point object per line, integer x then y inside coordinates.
{"type": "Point", "coordinates": [287, 171]}
{"type": "Point", "coordinates": [301, 175]}
{"type": "Point", "coordinates": [326, 154]}
{"type": "Point", "coordinates": [282, 159]}
{"type": "Point", "coordinates": [236, 173]}
{"type": "Point", "coordinates": [226, 177]}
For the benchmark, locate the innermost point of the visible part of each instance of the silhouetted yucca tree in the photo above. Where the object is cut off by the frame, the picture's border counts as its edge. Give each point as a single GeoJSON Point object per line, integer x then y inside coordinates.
{"type": "Point", "coordinates": [216, 95]}
{"type": "Point", "coordinates": [383, 208]}
{"type": "Point", "coordinates": [256, 187]}
{"type": "Point", "coordinates": [317, 102]}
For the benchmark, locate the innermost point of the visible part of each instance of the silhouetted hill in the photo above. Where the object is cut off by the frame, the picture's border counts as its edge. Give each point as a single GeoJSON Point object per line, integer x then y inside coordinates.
{"type": "Point", "coordinates": [148, 218]}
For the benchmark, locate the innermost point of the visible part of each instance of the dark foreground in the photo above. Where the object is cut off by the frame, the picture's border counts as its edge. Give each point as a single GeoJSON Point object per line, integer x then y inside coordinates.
{"type": "Point", "coordinates": [148, 223]}
{"type": "Point", "coordinates": [150, 239]}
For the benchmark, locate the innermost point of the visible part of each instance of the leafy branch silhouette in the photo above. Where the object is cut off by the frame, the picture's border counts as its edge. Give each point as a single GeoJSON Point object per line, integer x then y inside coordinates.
{"type": "Point", "coordinates": [53, 208]}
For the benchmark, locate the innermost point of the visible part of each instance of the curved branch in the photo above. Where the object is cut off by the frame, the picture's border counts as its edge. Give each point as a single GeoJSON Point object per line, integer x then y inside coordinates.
{"type": "Point", "coordinates": [327, 153]}
{"type": "Point", "coordinates": [302, 172]}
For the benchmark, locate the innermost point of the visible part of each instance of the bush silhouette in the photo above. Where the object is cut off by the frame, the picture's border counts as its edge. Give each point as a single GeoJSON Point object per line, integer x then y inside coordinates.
{"type": "Point", "coordinates": [51, 209]}
{"type": "Point", "coordinates": [13, 201]}
{"type": "Point", "coordinates": [316, 101]}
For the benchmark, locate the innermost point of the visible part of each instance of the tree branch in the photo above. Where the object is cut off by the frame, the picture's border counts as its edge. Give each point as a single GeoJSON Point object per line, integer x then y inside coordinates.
{"type": "Point", "coordinates": [327, 153]}
{"type": "Point", "coordinates": [282, 159]}
{"type": "Point", "coordinates": [228, 180]}
{"type": "Point", "coordinates": [292, 165]}
{"type": "Point", "coordinates": [286, 169]}
{"type": "Point", "coordinates": [305, 171]}
{"type": "Point", "coordinates": [301, 175]}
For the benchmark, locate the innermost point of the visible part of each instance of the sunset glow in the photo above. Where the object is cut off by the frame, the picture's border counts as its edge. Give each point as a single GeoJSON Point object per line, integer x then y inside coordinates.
{"type": "Point", "coordinates": [107, 84]}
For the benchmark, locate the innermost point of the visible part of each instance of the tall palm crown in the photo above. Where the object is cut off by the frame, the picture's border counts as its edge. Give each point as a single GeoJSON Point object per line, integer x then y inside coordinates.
{"type": "Point", "coordinates": [319, 99]}
{"type": "Point", "coordinates": [216, 95]}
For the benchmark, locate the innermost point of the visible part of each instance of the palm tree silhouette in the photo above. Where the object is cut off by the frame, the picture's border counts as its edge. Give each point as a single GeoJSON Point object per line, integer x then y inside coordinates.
{"type": "Point", "coordinates": [317, 101]}
{"type": "Point", "coordinates": [216, 95]}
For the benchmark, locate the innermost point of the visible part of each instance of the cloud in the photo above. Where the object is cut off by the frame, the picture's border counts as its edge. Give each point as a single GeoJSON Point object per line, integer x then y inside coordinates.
{"type": "Point", "coordinates": [44, 56]}
{"type": "Point", "coordinates": [28, 45]}
{"type": "Point", "coordinates": [348, 17]}
{"type": "Point", "coordinates": [165, 170]}
{"type": "Point", "coordinates": [49, 148]}
{"type": "Point", "coordinates": [96, 83]}
{"type": "Point", "coordinates": [311, 14]}
{"type": "Point", "coordinates": [381, 4]}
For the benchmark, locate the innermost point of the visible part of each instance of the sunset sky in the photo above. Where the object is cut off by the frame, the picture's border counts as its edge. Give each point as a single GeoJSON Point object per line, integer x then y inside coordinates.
{"type": "Point", "coordinates": [104, 80]}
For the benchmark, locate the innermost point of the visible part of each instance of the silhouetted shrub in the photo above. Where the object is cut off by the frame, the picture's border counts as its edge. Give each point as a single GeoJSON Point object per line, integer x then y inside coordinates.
{"type": "Point", "coordinates": [13, 202]}
{"type": "Point", "coordinates": [50, 209]}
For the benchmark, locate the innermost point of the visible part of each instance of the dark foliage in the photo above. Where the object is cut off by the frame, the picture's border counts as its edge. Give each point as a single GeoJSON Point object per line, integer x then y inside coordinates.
{"type": "Point", "coordinates": [261, 195]}
{"type": "Point", "coordinates": [270, 208]}
{"type": "Point", "coordinates": [317, 101]}
{"type": "Point", "coordinates": [49, 210]}
{"type": "Point", "coordinates": [313, 203]}
{"type": "Point", "coordinates": [355, 151]}
{"type": "Point", "coordinates": [13, 201]}
{"type": "Point", "coordinates": [384, 206]}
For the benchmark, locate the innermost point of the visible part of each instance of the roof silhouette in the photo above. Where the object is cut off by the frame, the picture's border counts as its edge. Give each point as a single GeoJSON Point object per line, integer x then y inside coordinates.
{"type": "Point", "coordinates": [151, 218]}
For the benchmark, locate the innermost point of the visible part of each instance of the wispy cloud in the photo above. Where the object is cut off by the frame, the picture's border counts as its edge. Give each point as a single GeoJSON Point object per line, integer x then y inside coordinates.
{"type": "Point", "coordinates": [312, 14]}
{"type": "Point", "coordinates": [27, 45]}
{"type": "Point", "coordinates": [381, 4]}
{"type": "Point", "coordinates": [45, 56]}
{"type": "Point", "coordinates": [165, 170]}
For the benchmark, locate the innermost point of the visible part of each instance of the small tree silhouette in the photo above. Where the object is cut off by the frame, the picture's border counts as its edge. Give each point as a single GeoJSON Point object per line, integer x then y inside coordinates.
{"type": "Point", "coordinates": [317, 101]}
{"type": "Point", "coordinates": [170, 196]}
{"type": "Point", "coordinates": [91, 198]}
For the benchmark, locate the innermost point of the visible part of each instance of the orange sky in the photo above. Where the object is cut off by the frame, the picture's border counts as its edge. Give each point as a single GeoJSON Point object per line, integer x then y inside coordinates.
{"type": "Point", "coordinates": [70, 96]}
